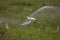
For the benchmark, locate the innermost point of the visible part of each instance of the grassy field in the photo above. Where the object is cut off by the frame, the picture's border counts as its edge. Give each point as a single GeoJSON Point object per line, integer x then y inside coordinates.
{"type": "Point", "coordinates": [19, 9]}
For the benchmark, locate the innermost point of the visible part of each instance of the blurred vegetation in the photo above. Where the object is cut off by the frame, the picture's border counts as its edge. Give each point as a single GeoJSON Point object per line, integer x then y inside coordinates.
{"type": "Point", "coordinates": [19, 9]}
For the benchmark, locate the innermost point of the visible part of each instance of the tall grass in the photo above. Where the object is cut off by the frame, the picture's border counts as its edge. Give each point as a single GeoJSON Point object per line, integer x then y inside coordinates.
{"type": "Point", "coordinates": [38, 30]}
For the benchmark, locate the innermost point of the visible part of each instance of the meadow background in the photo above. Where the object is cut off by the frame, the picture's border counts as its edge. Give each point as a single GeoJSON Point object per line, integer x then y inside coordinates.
{"type": "Point", "coordinates": [19, 9]}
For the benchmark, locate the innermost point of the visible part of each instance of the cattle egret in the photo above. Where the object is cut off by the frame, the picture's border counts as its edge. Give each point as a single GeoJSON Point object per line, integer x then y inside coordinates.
{"type": "Point", "coordinates": [7, 26]}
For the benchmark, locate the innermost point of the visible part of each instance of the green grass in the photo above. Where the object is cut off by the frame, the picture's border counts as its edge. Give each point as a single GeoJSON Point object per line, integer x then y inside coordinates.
{"type": "Point", "coordinates": [18, 9]}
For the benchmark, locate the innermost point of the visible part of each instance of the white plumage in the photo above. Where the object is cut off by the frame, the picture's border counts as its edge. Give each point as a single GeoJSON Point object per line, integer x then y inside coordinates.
{"type": "Point", "coordinates": [30, 19]}
{"type": "Point", "coordinates": [7, 26]}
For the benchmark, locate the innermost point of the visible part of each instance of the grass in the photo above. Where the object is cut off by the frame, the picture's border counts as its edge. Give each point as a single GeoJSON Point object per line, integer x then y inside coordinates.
{"type": "Point", "coordinates": [18, 9]}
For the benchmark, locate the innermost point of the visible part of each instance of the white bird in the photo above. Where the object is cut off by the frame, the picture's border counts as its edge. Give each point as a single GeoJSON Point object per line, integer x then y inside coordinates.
{"type": "Point", "coordinates": [8, 22]}
{"type": "Point", "coordinates": [30, 19]}
{"type": "Point", "coordinates": [7, 26]}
